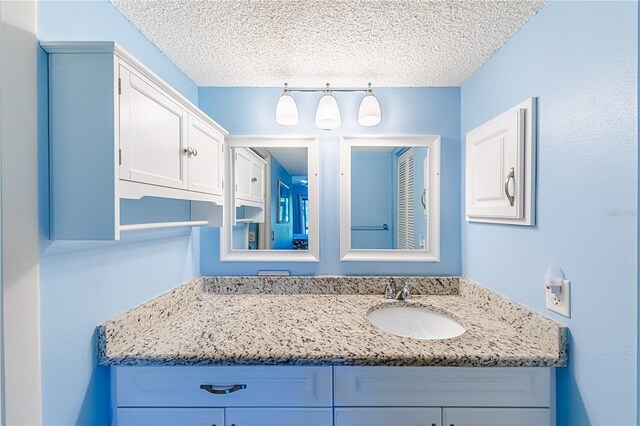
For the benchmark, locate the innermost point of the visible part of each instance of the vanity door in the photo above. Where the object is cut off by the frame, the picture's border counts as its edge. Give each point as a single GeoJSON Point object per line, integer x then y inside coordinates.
{"type": "Point", "coordinates": [388, 416]}
{"type": "Point", "coordinates": [169, 417]}
{"type": "Point", "coordinates": [279, 417]}
{"type": "Point", "coordinates": [496, 416]}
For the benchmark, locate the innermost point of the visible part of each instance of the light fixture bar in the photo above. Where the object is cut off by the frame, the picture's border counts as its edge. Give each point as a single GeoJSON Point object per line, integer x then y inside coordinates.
{"type": "Point", "coordinates": [324, 90]}
{"type": "Point", "coordinates": [327, 88]}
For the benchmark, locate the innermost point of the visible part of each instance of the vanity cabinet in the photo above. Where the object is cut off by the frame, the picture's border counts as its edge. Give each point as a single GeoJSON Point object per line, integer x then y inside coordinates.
{"type": "Point", "coordinates": [327, 396]}
{"type": "Point", "coordinates": [500, 168]}
{"type": "Point", "coordinates": [118, 131]}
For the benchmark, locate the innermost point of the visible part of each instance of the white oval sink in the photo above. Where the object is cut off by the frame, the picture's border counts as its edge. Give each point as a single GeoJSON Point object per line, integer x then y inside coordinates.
{"type": "Point", "coordinates": [415, 322]}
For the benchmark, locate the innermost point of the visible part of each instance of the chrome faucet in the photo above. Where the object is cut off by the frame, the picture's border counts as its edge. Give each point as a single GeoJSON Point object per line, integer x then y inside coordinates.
{"type": "Point", "coordinates": [403, 294]}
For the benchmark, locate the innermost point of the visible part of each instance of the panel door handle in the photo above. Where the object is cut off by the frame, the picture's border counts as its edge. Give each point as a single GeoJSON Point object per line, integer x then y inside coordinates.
{"type": "Point", "coordinates": [222, 390]}
{"type": "Point", "coordinates": [511, 175]}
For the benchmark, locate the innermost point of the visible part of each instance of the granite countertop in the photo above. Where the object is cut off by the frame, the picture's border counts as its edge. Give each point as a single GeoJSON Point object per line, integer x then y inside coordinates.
{"type": "Point", "coordinates": [322, 321]}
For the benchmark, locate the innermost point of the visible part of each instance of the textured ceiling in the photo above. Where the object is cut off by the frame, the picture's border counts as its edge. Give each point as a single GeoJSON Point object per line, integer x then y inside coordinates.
{"type": "Point", "coordinates": [347, 43]}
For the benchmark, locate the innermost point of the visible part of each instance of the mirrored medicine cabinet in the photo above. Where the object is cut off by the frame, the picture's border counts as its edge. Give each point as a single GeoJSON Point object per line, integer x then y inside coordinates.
{"type": "Point", "coordinates": [271, 204]}
{"type": "Point", "coordinates": [390, 198]}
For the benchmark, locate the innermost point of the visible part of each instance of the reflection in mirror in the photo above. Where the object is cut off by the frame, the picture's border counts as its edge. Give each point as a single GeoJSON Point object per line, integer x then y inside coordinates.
{"type": "Point", "coordinates": [388, 197]}
{"type": "Point", "coordinates": [271, 198]}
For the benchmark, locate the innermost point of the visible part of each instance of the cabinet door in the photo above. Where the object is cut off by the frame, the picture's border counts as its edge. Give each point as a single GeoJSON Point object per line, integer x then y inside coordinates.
{"type": "Point", "coordinates": [257, 180]}
{"type": "Point", "coordinates": [371, 416]}
{"type": "Point", "coordinates": [496, 416]}
{"type": "Point", "coordinates": [495, 162]}
{"type": "Point", "coordinates": [279, 417]}
{"type": "Point", "coordinates": [152, 133]}
{"type": "Point", "coordinates": [169, 417]}
{"type": "Point", "coordinates": [206, 161]}
{"type": "Point", "coordinates": [242, 167]}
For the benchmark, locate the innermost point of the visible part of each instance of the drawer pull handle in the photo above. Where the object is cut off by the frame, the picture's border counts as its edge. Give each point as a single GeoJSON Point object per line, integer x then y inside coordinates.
{"type": "Point", "coordinates": [218, 390]}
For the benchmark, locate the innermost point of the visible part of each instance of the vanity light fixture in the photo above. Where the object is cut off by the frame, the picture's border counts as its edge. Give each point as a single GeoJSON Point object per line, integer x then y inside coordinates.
{"type": "Point", "coordinates": [369, 112]}
{"type": "Point", "coordinates": [286, 110]}
{"type": "Point", "coordinates": [328, 112]}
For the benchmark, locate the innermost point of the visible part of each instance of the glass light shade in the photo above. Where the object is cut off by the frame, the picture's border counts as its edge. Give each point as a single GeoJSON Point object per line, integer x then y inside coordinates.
{"type": "Point", "coordinates": [328, 113]}
{"type": "Point", "coordinates": [286, 111]}
{"type": "Point", "coordinates": [369, 113]}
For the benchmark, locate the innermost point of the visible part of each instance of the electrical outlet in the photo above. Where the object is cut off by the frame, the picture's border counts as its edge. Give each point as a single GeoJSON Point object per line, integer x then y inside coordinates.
{"type": "Point", "coordinates": [557, 291]}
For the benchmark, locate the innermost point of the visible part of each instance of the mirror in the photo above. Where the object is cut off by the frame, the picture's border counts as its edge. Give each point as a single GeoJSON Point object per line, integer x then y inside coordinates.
{"type": "Point", "coordinates": [390, 198]}
{"type": "Point", "coordinates": [273, 202]}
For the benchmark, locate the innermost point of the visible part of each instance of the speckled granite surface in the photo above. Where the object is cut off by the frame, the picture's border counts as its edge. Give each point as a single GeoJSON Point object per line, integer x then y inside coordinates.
{"type": "Point", "coordinates": [322, 321]}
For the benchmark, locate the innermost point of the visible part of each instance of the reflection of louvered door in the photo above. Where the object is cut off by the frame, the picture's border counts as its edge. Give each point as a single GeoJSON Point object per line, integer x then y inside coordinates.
{"type": "Point", "coordinates": [405, 220]}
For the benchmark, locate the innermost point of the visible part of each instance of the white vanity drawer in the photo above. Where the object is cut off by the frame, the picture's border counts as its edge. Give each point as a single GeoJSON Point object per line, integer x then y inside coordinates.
{"type": "Point", "coordinates": [442, 386]}
{"type": "Point", "coordinates": [203, 386]}
{"type": "Point", "coordinates": [169, 417]}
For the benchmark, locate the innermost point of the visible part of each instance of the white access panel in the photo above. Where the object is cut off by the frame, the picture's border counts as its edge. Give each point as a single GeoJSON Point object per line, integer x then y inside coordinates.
{"type": "Point", "coordinates": [500, 168]}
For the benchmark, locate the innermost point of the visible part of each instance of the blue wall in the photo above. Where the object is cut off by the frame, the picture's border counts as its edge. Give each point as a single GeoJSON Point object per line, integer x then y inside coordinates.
{"type": "Point", "coordinates": [580, 59]}
{"type": "Point", "coordinates": [404, 111]}
{"type": "Point", "coordinates": [373, 199]}
{"type": "Point", "coordinates": [84, 284]}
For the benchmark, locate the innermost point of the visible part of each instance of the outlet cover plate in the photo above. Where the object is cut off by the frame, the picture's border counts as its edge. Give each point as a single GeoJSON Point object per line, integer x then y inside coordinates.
{"type": "Point", "coordinates": [562, 304]}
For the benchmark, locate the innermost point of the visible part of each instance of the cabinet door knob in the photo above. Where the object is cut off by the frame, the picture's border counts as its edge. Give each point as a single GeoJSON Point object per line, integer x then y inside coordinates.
{"type": "Point", "coordinates": [253, 179]}
{"type": "Point", "coordinates": [188, 151]}
{"type": "Point", "coordinates": [195, 152]}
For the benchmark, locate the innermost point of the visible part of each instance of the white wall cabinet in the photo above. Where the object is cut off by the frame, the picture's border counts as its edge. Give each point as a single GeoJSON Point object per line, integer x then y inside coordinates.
{"type": "Point", "coordinates": [326, 396]}
{"type": "Point", "coordinates": [500, 168]}
{"type": "Point", "coordinates": [118, 131]}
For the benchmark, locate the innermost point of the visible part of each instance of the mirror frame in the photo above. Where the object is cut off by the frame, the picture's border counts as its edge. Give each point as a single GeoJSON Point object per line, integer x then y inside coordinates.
{"type": "Point", "coordinates": [347, 254]}
{"type": "Point", "coordinates": [227, 254]}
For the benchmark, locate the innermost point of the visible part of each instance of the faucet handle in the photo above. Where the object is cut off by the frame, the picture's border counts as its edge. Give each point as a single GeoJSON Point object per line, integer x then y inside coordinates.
{"type": "Point", "coordinates": [406, 291]}
{"type": "Point", "coordinates": [389, 291]}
